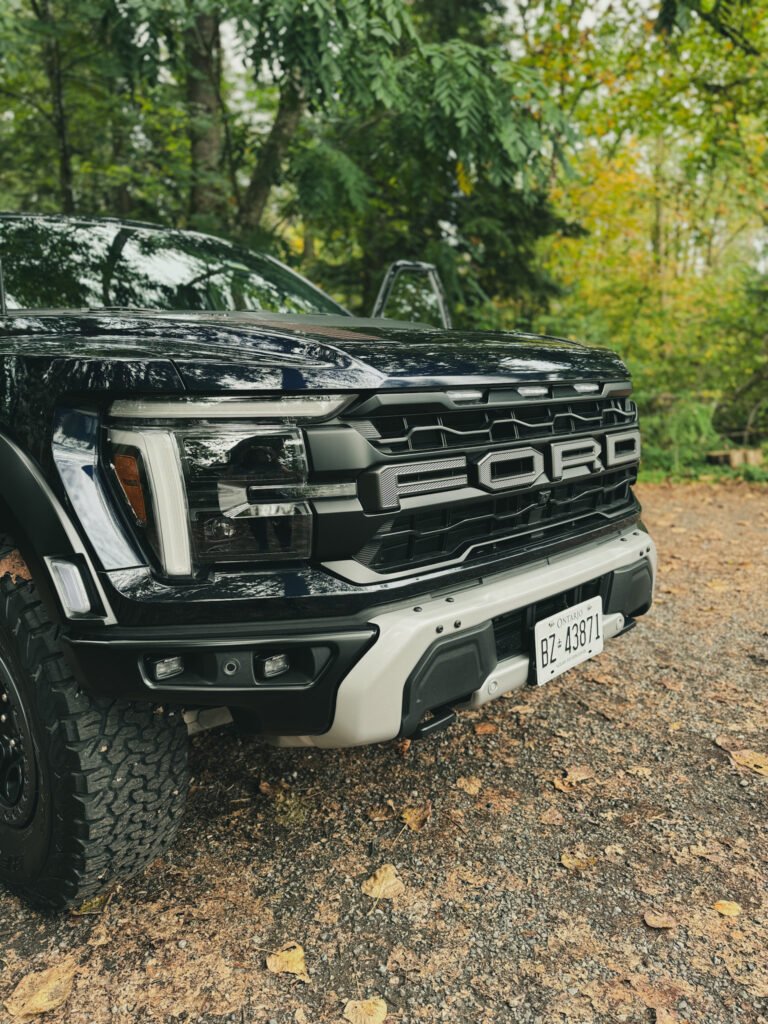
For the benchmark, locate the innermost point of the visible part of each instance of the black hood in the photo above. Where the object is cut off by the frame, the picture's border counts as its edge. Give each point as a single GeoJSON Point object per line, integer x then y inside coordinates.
{"type": "Point", "coordinates": [209, 352]}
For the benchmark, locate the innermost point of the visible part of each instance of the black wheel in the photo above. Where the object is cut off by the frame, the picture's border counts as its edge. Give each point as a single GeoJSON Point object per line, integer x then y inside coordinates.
{"type": "Point", "coordinates": [90, 790]}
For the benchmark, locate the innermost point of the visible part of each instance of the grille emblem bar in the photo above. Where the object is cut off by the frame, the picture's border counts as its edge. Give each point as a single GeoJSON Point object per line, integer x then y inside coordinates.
{"type": "Point", "coordinates": [513, 469]}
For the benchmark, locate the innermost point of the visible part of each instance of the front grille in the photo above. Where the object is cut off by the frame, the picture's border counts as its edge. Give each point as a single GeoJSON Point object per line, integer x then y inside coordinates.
{"type": "Point", "coordinates": [484, 428]}
{"type": "Point", "coordinates": [513, 630]}
{"type": "Point", "coordinates": [443, 484]}
{"type": "Point", "coordinates": [504, 524]}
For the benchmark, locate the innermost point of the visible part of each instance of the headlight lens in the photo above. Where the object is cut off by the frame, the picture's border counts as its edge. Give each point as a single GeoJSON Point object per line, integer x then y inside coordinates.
{"type": "Point", "coordinates": [218, 492]}
{"type": "Point", "coordinates": [244, 490]}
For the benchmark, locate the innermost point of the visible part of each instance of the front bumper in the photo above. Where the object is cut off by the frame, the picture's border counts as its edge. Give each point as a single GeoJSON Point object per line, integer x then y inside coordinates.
{"type": "Point", "coordinates": [362, 680]}
{"type": "Point", "coordinates": [372, 703]}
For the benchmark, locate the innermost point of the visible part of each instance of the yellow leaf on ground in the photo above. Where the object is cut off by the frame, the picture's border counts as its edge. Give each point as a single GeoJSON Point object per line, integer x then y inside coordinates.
{"type": "Point", "coordinates": [576, 861]}
{"type": "Point", "coordinates": [573, 776]}
{"type": "Point", "coordinates": [417, 817]}
{"type": "Point", "coordinates": [727, 908]}
{"type": "Point", "coordinates": [750, 759]}
{"type": "Point", "coordinates": [470, 784]}
{"type": "Point", "coordinates": [289, 960]}
{"type": "Point", "coordinates": [383, 884]}
{"type": "Point", "coordinates": [659, 921]}
{"type": "Point", "coordinates": [95, 905]}
{"type": "Point", "coordinates": [365, 1011]}
{"type": "Point", "coordinates": [43, 991]}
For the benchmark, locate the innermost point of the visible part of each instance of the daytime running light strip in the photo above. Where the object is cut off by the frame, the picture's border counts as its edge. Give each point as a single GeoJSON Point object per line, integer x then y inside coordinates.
{"type": "Point", "coordinates": [230, 408]}
{"type": "Point", "coordinates": [160, 453]}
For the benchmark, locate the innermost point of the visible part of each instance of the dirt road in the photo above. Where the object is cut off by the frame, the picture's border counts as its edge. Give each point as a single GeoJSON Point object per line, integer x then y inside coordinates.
{"type": "Point", "coordinates": [595, 850]}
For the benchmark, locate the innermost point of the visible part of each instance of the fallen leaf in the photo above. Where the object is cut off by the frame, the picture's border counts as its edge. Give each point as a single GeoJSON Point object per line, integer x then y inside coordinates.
{"type": "Point", "coordinates": [659, 921]}
{"type": "Point", "coordinates": [384, 884]}
{"type": "Point", "coordinates": [551, 817]}
{"type": "Point", "coordinates": [382, 812]}
{"type": "Point", "coordinates": [470, 784]}
{"type": "Point", "coordinates": [417, 817]}
{"type": "Point", "coordinates": [99, 936]}
{"type": "Point", "coordinates": [750, 759]}
{"type": "Point", "coordinates": [365, 1011]}
{"type": "Point", "coordinates": [665, 1016]}
{"type": "Point", "coordinates": [576, 861]}
{"type": "Point", "coordinates": [573, 776]}
{"type": "Point", "coordinates": [43, 991]}
{"type": "Point", "coordinates": [486, 728]}
{"type": "Point", "coordinates": [727, 908]}
{"type": "Point", "coordinates": [289, 960]}
{"type": "Point", "coordinates": [95, 905]}
{"type": "Point", "coordinates": [403, 746]}
{"type": "Point", "coordinates": [639, 771]}
{"type": "Point", "coordinates": [13, 565]}
{"type": "Point", "coordinates": [300, 1017]}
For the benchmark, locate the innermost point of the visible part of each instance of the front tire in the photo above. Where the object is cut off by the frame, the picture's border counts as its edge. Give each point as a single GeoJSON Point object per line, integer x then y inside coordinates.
{"type": "Point", "coordinates": [91, 790]}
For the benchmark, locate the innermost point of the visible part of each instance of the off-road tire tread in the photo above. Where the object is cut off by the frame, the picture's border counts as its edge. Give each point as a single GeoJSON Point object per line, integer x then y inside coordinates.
{"type": "Point", "coordinates": [118, 770]}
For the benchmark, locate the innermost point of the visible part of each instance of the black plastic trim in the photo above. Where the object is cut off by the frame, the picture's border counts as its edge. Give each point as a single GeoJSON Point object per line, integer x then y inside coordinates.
{"type": "Point", "coordinates": [118, 666]}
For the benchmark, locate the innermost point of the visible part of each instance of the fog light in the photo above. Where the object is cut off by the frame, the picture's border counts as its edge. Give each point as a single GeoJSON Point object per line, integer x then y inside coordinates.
{"type": "Point", "coordinates": [273, 666]}
{"type": "Point", "coordinates": [167, 668]}
{"type": "Point", "coordinates": [70, 586]}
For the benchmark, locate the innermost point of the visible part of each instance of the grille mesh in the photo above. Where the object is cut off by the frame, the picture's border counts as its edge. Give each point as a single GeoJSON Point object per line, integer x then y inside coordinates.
{"type": "Point", "coordinates": [483, 428]}
{"type": "Point", "coordinates": [513, 630]}
{"type": "Point", "coordinates": [505, 524]}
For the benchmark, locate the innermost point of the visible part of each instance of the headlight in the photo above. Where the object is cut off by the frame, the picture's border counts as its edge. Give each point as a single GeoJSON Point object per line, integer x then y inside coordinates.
{"type": "Point", "coordinates": [207, 491]}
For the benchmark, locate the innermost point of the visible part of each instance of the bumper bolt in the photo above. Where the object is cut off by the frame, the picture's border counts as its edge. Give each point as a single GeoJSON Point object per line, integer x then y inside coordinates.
{"type": "Point", "coordinates": [439, 629]}
{"type": "Point", "coordinates": [457, 623]}
{"type": "Point", "coordinates": [493, 686]}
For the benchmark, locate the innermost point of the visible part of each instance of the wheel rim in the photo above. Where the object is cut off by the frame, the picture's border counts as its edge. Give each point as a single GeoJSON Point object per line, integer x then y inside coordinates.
{"type": "Point", "coordinates": [17, 766]}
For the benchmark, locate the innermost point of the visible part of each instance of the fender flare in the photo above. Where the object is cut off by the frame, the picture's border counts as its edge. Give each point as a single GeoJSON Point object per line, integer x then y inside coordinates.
{"type": "Point", "coordinates": [41, 528]}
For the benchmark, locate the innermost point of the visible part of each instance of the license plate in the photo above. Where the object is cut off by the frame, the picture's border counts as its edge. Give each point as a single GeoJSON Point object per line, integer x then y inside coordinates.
{"type": "Point", "coordinates": [568, 638]}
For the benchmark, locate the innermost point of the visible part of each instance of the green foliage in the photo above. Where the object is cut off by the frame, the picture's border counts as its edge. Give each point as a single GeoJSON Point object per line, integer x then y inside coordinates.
{"type": "Point", "coordinates": [599, 175]}
{"type": "Point", "coordinates": [677, 432]}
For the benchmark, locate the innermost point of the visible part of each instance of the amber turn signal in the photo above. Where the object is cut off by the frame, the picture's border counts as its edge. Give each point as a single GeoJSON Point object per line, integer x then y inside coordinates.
{"type": "Point", "coordinates": [129, 475]}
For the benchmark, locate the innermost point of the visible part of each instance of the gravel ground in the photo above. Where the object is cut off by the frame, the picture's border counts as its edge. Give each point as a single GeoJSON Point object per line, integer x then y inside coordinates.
{"type": "Point", "coordinates": [553, 833]}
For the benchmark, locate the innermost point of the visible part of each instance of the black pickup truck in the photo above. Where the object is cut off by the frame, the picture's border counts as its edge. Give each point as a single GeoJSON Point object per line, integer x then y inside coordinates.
{"type": "Point", "coordinates": [225, 499]}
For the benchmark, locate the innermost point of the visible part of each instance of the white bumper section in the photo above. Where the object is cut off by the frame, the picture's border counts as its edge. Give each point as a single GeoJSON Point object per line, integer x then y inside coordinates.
{"type": "Point", "coordinates": [369, 704]}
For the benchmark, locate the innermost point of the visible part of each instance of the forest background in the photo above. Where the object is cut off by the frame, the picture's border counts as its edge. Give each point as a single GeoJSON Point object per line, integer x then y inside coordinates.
{"type": "Point", "coordinates": [592, 170]}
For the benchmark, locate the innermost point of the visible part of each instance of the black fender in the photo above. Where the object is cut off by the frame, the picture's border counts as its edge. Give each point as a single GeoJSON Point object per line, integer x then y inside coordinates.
{"type": "Point", "coordinates": [41, 528]}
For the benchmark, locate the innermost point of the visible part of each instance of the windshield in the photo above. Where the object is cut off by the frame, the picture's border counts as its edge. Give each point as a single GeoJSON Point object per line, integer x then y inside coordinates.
{"type": "Point", "coordinates": [69, 264]}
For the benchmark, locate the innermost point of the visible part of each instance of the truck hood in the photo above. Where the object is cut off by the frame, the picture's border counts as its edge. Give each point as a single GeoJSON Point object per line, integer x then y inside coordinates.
{"type": "Point", "coordinates": [214, 352]}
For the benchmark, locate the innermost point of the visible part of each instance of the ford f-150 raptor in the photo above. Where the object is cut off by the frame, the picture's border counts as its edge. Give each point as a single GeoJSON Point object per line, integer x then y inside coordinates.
{"type": "Point", "coordinates": [223, 496]}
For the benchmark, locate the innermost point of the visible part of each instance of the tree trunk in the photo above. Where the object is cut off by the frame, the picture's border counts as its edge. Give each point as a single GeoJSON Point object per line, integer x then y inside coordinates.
{"type": "Point", "coordinates": [202, 50]}
{"type": "Point", "coordinates": [53, 71]}
{"type": "Point", "coordinates": [287, 120]}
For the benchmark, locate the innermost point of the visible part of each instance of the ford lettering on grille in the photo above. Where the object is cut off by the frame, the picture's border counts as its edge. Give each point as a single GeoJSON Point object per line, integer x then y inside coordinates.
{"type": "Point", "coordinates": [502, 470]}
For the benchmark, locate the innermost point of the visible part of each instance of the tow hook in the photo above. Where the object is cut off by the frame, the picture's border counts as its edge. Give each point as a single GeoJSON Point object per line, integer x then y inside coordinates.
{"type": "Point", "coordinates": [441, 719]}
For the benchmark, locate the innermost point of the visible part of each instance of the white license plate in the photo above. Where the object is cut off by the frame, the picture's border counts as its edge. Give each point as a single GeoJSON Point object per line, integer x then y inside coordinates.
{"type": "Point", "coordinates": [568, 638]}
